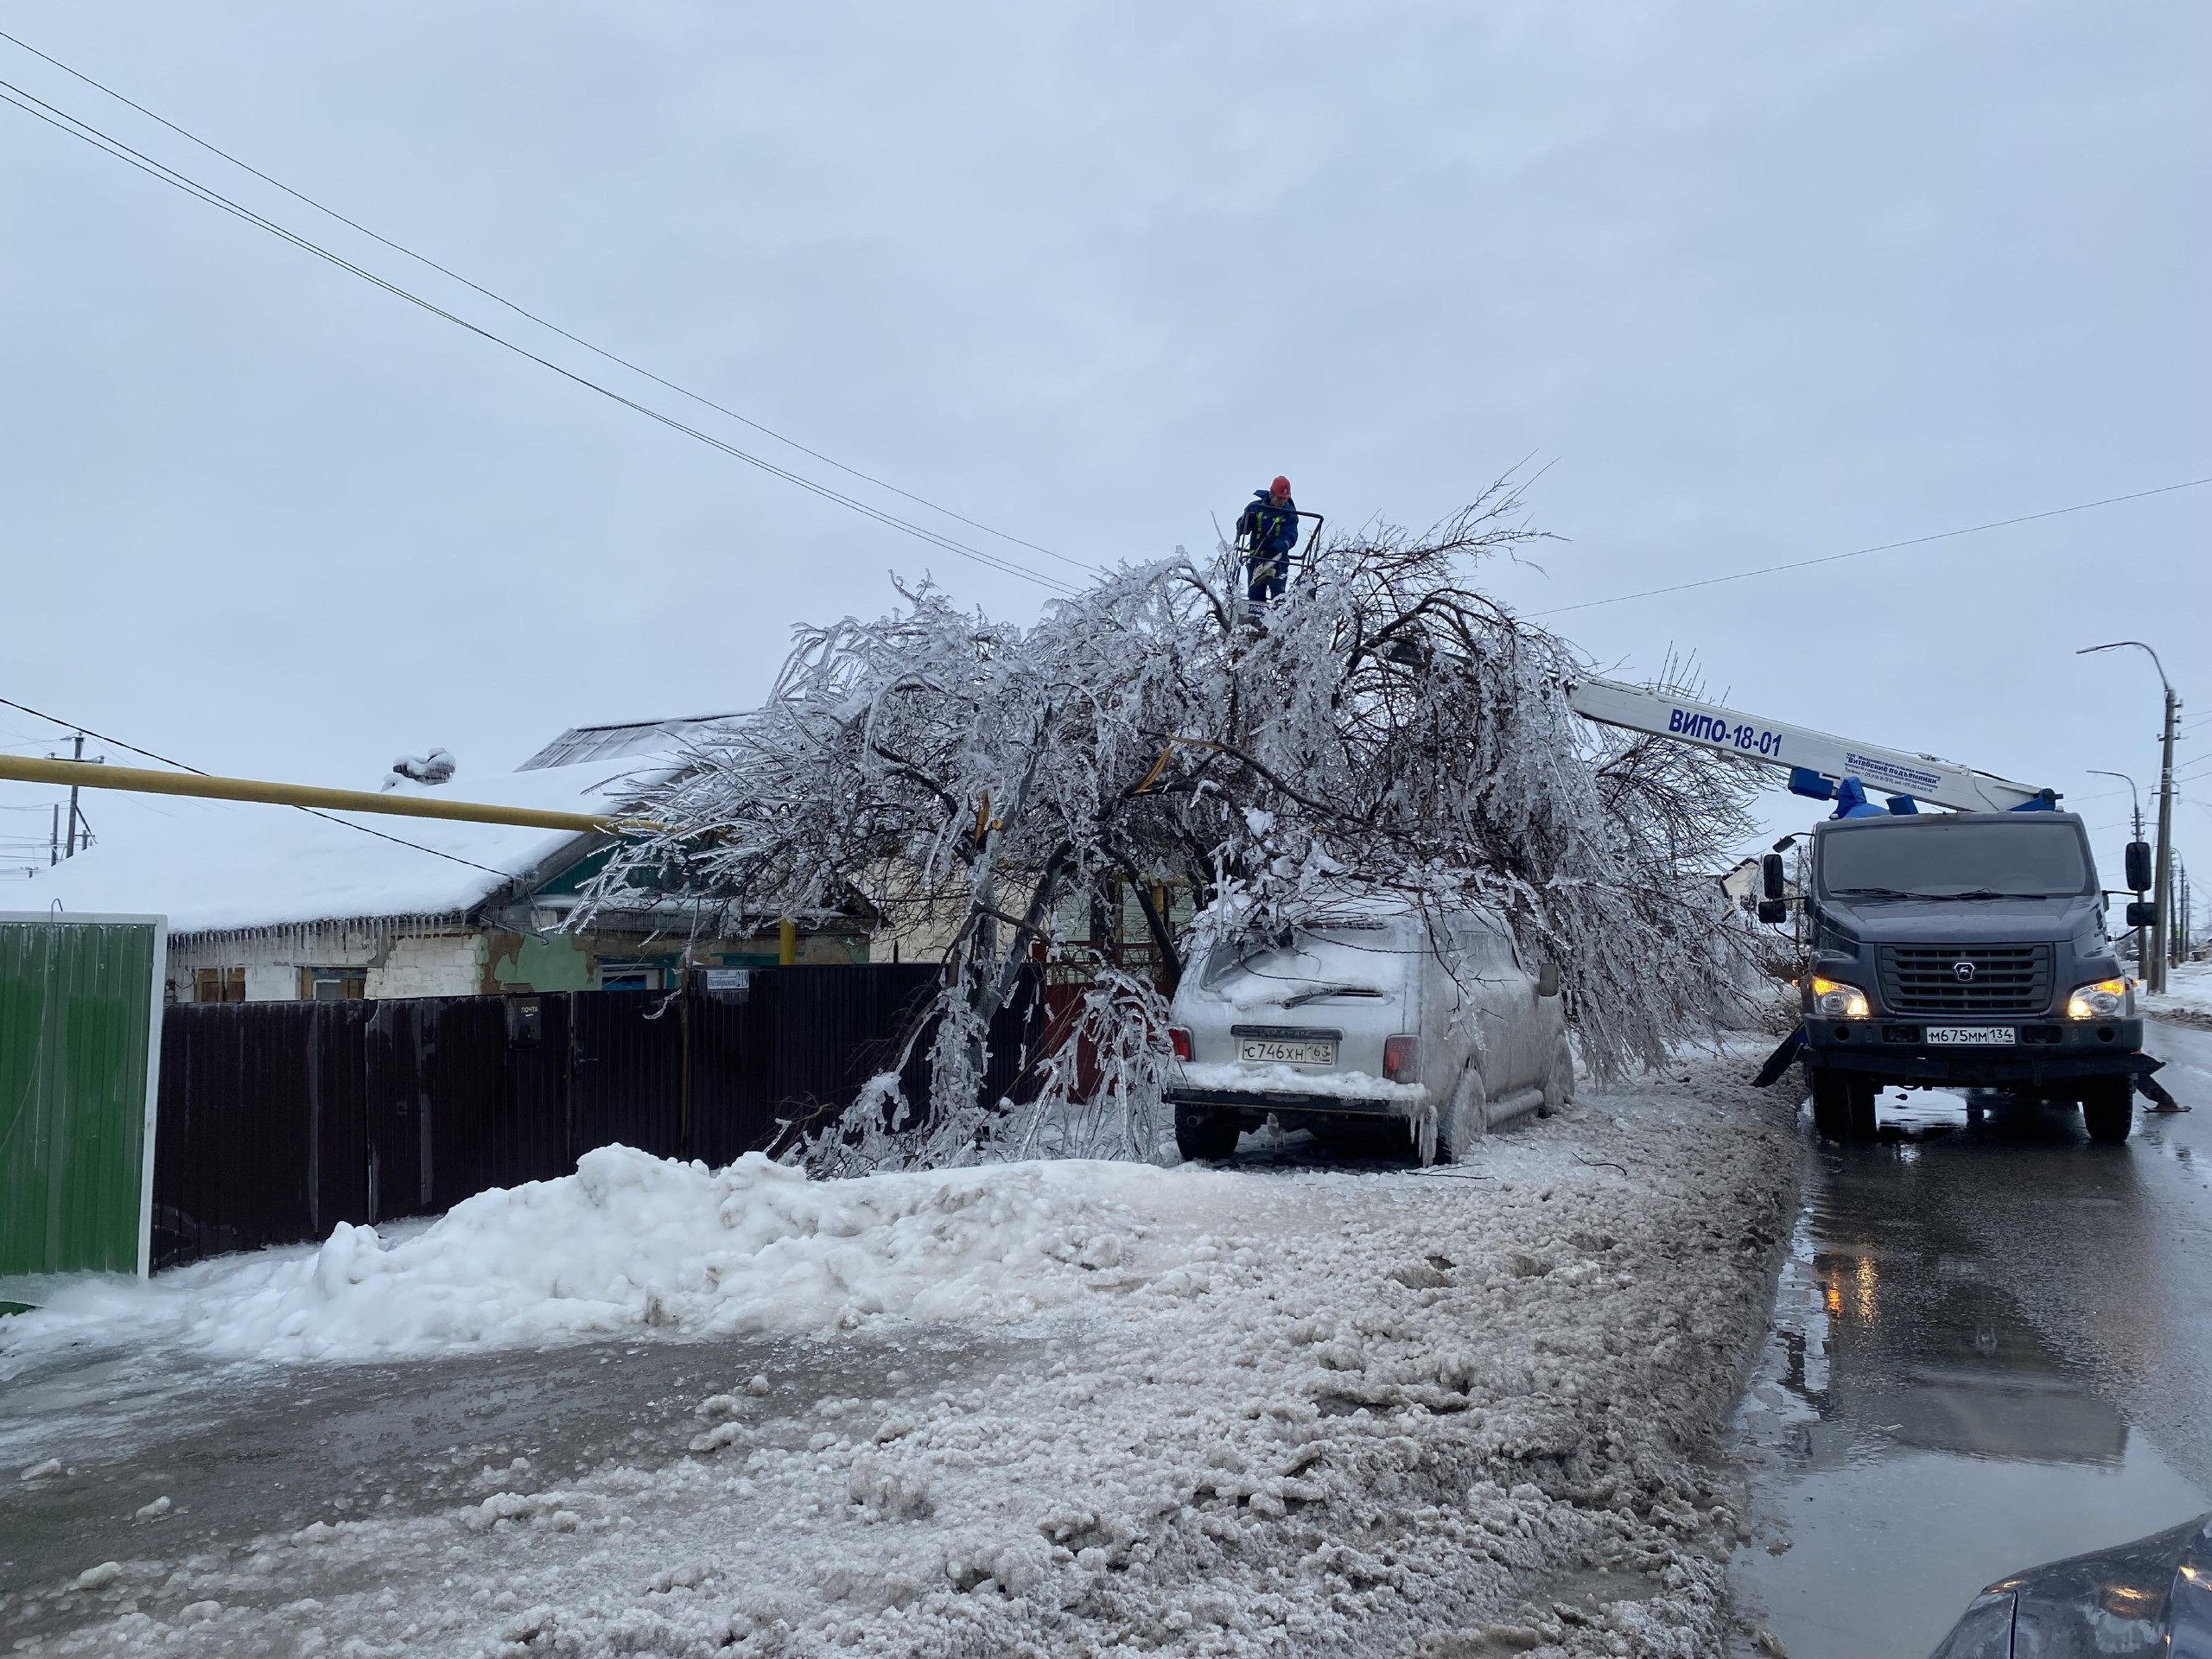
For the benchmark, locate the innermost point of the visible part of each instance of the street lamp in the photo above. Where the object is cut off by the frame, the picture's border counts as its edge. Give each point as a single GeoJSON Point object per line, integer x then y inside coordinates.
{"type": "Point", "coordinates": [2155, 969]}
{"type": "Point", "coordinates": [2142, 958]}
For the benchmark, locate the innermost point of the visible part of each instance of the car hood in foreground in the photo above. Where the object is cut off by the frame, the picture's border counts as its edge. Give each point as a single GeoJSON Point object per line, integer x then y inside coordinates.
{"type": "Point", "coordinates": [2152, 1595]}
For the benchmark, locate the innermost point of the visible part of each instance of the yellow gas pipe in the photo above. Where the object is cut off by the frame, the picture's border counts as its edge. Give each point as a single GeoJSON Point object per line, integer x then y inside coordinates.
{"type": "Point", "coordinates": [86, 774]}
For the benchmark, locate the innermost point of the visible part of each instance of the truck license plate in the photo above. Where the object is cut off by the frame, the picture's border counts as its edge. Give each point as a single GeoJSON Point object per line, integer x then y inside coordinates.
{"type": "Point", "coordinates": [1260, 1050]}
{"type": "Point", "coordinates": [1973, 1036]}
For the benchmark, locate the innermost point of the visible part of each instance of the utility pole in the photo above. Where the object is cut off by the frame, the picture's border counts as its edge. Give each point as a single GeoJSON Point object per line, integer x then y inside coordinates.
{"type": "Point", "coordinates": [79, 755]}
{"type": "Point", "coordinates": [53, 839]}
{"type": "Point", "coordinates": [2181, 940]}
{"type": "Point", "coordinates": [2162, 898]}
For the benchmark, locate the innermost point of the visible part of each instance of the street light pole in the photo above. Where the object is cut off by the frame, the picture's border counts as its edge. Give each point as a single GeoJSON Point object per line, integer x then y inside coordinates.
{"type": "Point", "coordinates": [2162, 898]}
{"type": "Point", "coordinates": [2134, 796]}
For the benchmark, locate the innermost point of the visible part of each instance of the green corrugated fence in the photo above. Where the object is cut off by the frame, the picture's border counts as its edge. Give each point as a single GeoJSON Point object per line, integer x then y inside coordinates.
{"type": "Point", "coordinates": [80, 1045]}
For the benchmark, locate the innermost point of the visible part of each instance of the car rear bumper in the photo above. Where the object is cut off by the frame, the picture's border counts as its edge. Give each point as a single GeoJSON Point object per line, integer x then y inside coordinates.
{"type": "Point", "coordinates": [2043, 1050]}
{"type": "Point", "coordinates": [1257, 1100]}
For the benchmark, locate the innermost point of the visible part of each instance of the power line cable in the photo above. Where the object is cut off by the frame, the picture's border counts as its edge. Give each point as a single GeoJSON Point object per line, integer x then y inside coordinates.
{"type": "Point", "coordinates": [80, 128]}
{"type": "Point", "coordinates": [1883, 547]}
{"type": "Point", "coordinates": [524, 312]}
{"type": "Point", "coordinates": [313, 812]}
{"type": "Point", "coordinates": [54, 116]}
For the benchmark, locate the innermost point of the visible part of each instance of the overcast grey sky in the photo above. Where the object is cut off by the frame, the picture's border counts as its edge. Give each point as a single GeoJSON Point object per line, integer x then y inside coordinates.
{"type": "Point", "coordinates": [1758, 282]}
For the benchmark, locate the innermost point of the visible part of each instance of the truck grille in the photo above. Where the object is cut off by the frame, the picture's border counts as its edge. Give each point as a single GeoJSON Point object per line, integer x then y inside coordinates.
{"type": "Point", "coordinates": [1926, 978]}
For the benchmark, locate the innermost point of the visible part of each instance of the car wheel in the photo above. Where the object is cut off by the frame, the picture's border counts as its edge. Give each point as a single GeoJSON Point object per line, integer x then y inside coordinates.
{"type": "Point", "coordinates": [1203, 1136]}
{"type": "Point", "coordinates": [1463, 1120]}
{"type": "Point", "coordinates": [2109, 1110]}
{"type": "Point", "coordinates": [1559, 1080]}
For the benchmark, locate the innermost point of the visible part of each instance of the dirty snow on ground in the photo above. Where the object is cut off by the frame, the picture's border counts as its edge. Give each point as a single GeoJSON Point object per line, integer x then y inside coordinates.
{"type": "Point", "coordinates": [2187, 1000]}
{"type": "Point", "coordinates": [1273, 1409]}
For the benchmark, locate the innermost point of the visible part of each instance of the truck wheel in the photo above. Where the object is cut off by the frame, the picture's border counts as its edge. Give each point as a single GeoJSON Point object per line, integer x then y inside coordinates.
{"type": "Point", "coordinates": [2109, 1110]}
{"type": "Point", "coordinates": [1203, 1136]}
{"type": "Point", "coordinates": [1864, 1091]}
{"type": "Point", "coordinates": [1843, 1106]}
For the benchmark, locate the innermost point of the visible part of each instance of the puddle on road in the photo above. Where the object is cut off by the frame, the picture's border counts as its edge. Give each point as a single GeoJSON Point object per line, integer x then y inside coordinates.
{"type": "Point", "coordinates": [1910, 1434]}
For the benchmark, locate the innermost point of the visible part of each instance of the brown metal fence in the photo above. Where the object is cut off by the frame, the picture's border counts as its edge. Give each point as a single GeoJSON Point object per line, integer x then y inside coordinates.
{"type": "Point", "coordinates": [279, 1120]}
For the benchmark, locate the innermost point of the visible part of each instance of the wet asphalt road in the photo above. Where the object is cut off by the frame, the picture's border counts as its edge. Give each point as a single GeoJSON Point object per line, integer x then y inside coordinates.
{"type": "Point", "coordinates": [1992, 1347]}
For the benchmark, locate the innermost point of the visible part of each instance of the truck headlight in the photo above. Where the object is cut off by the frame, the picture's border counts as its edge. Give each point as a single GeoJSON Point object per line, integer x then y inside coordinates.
{"type": "Point", "coordinates": [2105, 1000]}
{"type": "Point", "coordinates": [1838, 1000]}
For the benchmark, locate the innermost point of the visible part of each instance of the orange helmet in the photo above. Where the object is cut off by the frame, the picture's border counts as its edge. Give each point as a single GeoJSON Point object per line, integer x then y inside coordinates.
{"type": "Point", "coordinates": [1281, 487]}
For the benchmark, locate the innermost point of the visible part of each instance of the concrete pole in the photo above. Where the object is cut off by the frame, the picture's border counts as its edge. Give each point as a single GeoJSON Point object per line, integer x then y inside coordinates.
{"type": "Point", "coordinates": [2162, 901]}
{"type": "Point", "coordinates": [71, 852]}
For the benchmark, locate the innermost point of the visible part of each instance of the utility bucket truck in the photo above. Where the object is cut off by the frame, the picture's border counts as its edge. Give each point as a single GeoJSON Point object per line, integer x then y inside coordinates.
{"type": "Point", "coordinates": [1964, 950]}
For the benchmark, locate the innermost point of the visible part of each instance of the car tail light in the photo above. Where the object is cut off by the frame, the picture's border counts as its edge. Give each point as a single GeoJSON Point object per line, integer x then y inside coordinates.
{"type": "Point", "coordinates": [1401, 1059]}
{"type": "Point", "coordinates": [1179, 1040]}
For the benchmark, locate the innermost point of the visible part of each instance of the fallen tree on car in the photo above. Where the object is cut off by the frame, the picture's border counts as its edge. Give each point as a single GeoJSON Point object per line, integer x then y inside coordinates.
{"type": "Point", "coordinates": [1385, 727]}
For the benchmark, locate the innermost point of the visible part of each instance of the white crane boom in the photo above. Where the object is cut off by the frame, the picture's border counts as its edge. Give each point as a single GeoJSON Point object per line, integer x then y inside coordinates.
{"type": "Point", "coordinates": [1753, 737]}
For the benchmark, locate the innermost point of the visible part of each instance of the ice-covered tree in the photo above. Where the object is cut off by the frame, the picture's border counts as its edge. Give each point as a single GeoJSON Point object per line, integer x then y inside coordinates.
{"type": "Point", "coordinates": [1384, 727]}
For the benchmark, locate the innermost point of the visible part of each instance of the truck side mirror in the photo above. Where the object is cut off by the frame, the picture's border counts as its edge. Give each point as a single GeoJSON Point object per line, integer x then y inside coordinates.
{"type": "Point", "coordinates": [1547, 979]}
{"type": "Point", "coordinates": [2139, 877]}
{"type": "Point", "coordinates": [1770, 879]}
{"type": "Point", "coordinates": [2142, 914]}
{"type": "Point", "coordinates": [1774, 910]}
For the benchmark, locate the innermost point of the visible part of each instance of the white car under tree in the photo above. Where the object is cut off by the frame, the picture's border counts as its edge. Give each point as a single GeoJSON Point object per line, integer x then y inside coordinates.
{"type": "Point", "coordinates": [1431, 1024]}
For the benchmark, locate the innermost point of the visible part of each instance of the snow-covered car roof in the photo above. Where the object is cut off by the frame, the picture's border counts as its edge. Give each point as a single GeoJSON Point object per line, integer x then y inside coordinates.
{"type": "Point", "coordinates": [225, 866]}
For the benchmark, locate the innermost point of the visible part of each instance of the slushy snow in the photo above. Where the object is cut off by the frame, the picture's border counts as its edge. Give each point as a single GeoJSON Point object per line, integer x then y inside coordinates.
{"type": "Point", "coordinates": [1271, 1410]}
{"type": "Point", "coordinates": [2187, 1000]}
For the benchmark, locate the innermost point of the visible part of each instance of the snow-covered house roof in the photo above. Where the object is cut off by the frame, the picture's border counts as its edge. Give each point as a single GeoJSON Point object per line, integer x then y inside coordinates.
{"type": "Point", "coordinates": [580, 744]}
{"type": "Point", "coordinates": [225, 867]}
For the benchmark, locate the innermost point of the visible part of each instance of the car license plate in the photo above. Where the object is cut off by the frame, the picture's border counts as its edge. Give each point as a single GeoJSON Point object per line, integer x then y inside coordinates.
{"type": "Point", "coordinates": [1973, 1036]}
{"type": "Point", "coordinates": [1265, 1051]}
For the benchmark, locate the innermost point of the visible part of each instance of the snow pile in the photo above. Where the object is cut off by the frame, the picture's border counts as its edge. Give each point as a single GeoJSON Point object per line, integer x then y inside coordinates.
{"type": "Point", "coordinates": [1460, 1413]}
{"type": "Point", "coordinates": [2187, 1000]}
{"type": "Point", "coordinates": [632, 1242]}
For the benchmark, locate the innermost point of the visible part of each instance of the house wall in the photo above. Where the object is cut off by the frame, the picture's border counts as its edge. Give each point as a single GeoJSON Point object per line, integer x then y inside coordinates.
{"type": "Point", "coordinates": [460, 960]}
{"type": "Point", "coordinates": [445, 965]}
{"type": "Point", "coordinates": [442, 963]}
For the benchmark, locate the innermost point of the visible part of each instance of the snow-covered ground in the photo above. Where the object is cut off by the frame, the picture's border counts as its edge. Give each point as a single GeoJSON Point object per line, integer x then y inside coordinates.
{"type": "Point", "coordinates": [1280, 1408]}
{"type": "Point", "coordinates": [2187, 999]}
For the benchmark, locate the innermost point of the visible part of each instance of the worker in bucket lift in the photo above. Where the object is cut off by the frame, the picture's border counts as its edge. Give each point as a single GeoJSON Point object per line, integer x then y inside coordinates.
{"type": "Point", "coordinates": [1267, 531]}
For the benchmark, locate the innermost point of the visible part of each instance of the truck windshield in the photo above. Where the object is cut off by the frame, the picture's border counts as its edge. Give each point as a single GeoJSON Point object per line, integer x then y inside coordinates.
{"type": "Point", "coordinates": [1938, 861]}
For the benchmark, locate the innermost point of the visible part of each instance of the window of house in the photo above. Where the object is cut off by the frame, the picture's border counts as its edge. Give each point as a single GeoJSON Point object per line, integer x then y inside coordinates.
{"type": "Point", "coordinates": [615, 974]}
{"type": "Point", "coordinates": [218, 984]}
{"type": "Point", "coordinates": [333, 984]}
